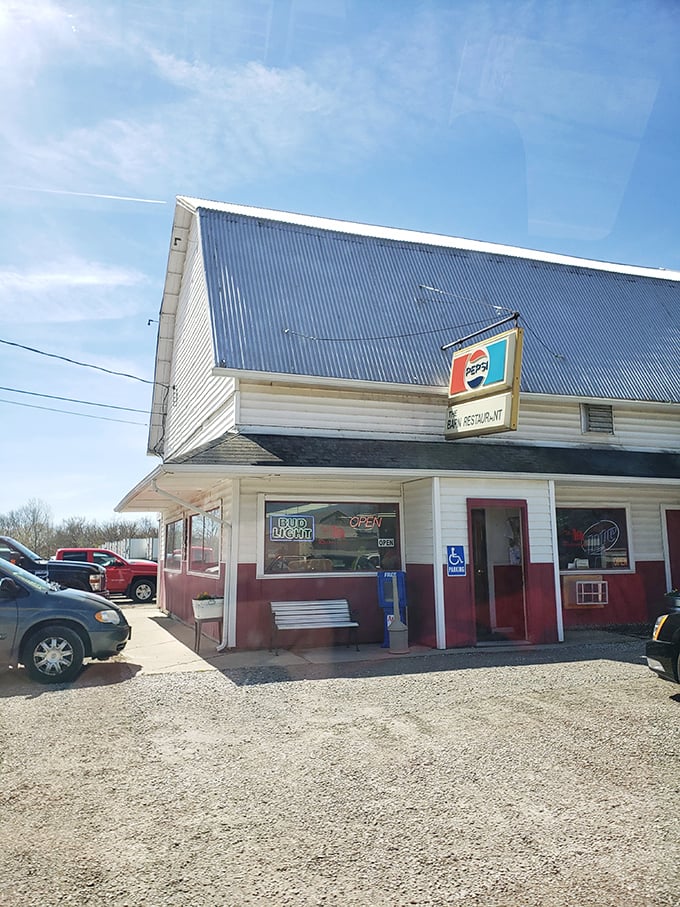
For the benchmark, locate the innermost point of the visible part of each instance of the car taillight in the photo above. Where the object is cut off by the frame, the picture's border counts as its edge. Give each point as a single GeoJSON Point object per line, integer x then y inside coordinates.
{"type": "Point", "coordinates": [96, 582]}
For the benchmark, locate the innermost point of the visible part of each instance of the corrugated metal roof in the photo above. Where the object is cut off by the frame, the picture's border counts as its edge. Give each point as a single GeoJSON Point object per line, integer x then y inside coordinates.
{"type": "Point", "coordinates": [291, 298]}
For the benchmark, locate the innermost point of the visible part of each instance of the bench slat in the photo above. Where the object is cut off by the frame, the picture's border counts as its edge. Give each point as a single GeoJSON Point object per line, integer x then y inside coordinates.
{"type": "Point", "coordinates": [317, 626]}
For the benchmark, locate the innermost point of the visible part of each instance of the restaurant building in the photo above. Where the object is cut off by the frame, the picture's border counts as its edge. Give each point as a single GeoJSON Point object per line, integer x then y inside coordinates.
{"type": "Point", "coordinates": [318, 419]}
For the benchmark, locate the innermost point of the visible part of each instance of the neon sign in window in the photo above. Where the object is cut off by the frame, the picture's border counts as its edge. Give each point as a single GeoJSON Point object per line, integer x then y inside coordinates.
{"type": "Point", "coordinates": [322, 537]}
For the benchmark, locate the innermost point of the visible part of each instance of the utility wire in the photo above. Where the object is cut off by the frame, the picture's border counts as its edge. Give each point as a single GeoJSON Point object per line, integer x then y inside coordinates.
{"type": "Point", "coordinates": [99, 368]}
{"type": "Point", "coordinates": [490, 305]}
{"type": "Point", "coordinates": [129, 409]}
{"type": "Point", "coordinates": [380, 337]}
{"type": "Point", "coordinates": [543, 344]}
{"type": "Point", "coordinates": [69, 412]}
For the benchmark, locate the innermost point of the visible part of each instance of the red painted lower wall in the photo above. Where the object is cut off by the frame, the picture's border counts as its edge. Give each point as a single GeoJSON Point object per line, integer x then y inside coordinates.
{"type": "Point", "coordinates": [180, 588]}
{"type": "Point", "coordinates": [633, 598]}
{"type": "Point", "coordinates": [459, 611]}
{"type": "Point", "coordinates": [420, 595]}
{"type": "Point", "coordinates": [253, 615]}
{"type": "Point", "coordinates": [541, 617]}
{"type": "Point", "coordinates": [541, 603]}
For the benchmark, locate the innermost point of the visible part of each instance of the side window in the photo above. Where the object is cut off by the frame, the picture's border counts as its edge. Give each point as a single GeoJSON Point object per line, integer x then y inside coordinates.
{"type": "Point", "coordinates": [204, 548]}
{"type": "Point", "coordinates": [174, 545]}
{"type": "Point", "coordinates": [74, 555]}
{"type": "Point", "coordinates": [593, 538]}
{"type": "Point", "coordinates": [325, 537]}
{"type": "Point", "coordinates": [104, 560]}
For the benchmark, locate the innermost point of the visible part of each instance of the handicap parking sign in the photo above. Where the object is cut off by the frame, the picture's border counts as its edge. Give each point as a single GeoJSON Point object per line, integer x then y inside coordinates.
{"type": "Point", "coordinates": [455, 560]}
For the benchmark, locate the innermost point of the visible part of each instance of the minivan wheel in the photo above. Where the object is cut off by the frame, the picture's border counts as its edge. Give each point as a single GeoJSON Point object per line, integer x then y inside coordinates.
{"type": "Point", "coordinates": [142, 591]}
{"type": "Point", "coordinates": [54, 654]}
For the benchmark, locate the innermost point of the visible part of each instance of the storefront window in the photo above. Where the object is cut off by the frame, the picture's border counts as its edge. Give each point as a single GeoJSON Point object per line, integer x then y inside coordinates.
{"type": "Point", "coordinates": [204, 549]}
{"type": "Point", "coordinates": [174, 545]}
{"type": "Point", "coordinates": [304, 537]}
{"type": "Point", "coordinates": [593, 538]}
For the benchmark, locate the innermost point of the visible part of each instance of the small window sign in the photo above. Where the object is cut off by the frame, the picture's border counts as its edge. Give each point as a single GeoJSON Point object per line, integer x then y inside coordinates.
{"type": "Point", "coordinates": [286, 527]}
{"type": "Point", "coordinates": [455, 560]}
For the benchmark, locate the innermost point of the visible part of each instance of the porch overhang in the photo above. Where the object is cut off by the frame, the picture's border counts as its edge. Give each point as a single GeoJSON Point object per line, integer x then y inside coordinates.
{"type": "Point", "coordinates": [247, 455]}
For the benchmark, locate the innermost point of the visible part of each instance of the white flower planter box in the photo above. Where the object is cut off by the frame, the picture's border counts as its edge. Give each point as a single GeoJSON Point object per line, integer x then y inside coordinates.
{"type": "Point", "coordinates": [208, 609]}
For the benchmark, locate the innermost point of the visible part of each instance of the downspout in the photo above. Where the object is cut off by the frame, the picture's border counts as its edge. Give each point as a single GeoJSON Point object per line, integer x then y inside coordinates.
{"type": "Point", "coordinates": [439, 613]}
{"type": "Point", "coordinates": [556, 561]}
{"type": "Point", "coordinates": [227, 525]}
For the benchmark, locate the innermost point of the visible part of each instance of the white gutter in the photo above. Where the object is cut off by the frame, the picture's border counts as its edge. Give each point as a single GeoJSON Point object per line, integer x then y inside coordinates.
{"type": "Point", "coordinates": [556, 562]}
{"type": "Point", "coordinates": [226, 614]}
{"type": "Point", "coordinates": [439, 612]}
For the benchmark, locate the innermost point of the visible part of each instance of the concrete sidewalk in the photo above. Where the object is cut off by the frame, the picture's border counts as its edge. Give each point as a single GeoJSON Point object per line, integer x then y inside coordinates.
{"type": "Point", "coordinates": [162, 645]}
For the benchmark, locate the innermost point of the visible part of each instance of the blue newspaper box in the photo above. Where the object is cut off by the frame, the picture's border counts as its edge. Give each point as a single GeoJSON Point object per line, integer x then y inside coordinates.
{"type": "Point", "coordinates": [386, 601]}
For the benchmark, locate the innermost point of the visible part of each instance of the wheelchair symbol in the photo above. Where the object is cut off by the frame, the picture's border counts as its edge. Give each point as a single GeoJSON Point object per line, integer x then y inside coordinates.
{"type": "Point", "coordinates": [455, 556]}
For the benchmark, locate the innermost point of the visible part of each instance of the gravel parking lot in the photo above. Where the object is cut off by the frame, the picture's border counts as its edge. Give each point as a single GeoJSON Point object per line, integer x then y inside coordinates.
{"type": "Point", "coordinates": [547, 777]}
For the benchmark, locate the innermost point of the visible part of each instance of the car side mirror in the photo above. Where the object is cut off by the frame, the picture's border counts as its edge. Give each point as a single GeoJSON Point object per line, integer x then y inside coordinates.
{"type": "Point", "coordinates": [9, 589]}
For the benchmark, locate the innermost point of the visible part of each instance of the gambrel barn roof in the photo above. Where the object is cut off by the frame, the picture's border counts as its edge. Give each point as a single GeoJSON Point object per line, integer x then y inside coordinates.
{"type": "Point", "coordinates": [307, 296]}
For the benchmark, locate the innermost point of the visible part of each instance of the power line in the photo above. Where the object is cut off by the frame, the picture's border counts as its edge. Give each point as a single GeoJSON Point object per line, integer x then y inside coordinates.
{"type": "Point", "coordinates": [99, 368]}
{"type": "Point", "coordinates": [379, 337]}
{"type": "Point", "coordinates": [129, 409]}
{"type": "Point", "coordinates": [543, 344]}
{"type": "Point", "coordinates": [491, 305]}
{"type": "Point", "coordinates": [69, 412]}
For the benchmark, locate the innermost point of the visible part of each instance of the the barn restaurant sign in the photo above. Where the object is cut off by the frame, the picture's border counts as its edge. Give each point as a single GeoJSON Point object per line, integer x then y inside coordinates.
{"type": "Point", "coordinates": [484, 386]}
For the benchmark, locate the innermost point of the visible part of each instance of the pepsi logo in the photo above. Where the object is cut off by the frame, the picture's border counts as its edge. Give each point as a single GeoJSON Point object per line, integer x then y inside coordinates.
{"type": "Point", "coordinates": [476, 368]}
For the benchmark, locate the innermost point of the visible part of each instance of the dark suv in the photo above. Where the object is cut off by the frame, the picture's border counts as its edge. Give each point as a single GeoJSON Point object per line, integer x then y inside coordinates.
{"type": "Point", "coordinates": [52, 630]}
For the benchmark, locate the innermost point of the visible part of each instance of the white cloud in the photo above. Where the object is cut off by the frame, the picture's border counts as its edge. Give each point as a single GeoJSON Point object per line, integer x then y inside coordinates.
{"type": "Point", "coordinates": [30, 31]}
{"type": "Point", "coordinates": [70, 290]}
{"type": "Point", "coordinates": [222, 124]}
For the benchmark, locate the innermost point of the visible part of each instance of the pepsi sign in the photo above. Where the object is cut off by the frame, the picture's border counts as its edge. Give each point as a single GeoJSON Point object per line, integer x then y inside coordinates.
{"type": "Point", "coordinates": [489, 367]}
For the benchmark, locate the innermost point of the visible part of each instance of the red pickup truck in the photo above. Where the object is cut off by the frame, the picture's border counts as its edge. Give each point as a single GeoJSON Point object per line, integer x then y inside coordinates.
{"type": "Point", "coordinates": [135, 579]}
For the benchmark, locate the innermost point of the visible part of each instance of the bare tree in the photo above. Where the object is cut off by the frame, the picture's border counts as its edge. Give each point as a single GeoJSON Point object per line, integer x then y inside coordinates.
{"type": "Point", "coordinates": [31, 524]}
{"type": "Point", "coordinates": [76, 532]}
{"type": "Point", "coordinates": [147, 528]}
{"type": "Point", "coordinates": [115, 530]}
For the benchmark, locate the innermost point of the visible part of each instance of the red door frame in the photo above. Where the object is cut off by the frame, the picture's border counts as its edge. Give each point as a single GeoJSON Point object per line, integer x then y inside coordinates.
{"type": "Point", "coordinates": [521, 506]}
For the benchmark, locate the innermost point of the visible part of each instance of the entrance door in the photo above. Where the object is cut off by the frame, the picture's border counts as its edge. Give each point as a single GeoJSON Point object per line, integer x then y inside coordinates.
{"type": "Point", "coordinates": [673, 536]}
{"type": "Point", "coordinates": [497, 547]}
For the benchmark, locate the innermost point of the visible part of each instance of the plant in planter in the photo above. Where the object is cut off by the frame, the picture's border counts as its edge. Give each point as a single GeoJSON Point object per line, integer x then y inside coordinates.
{"type": "Point", "coordinates": [673, 599]}
{"type": "Point", "coordinates": [206, 605]}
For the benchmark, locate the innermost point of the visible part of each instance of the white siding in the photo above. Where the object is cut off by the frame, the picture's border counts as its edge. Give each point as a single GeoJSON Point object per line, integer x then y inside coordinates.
{"type": "Point", "coordinates": [454, 496]}
{"type": "Point", "coordinates": [200, 407]}
{"type": "Point", "coordinates": [645, 503]}
{"type": "Point", "coordinates": [417, 520]}
{"type": "Point", "coordinates": [419, 416]}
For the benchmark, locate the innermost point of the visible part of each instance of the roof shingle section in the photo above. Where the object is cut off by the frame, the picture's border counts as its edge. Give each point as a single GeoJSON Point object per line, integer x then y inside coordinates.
{"type": "Point", "coordinates": [312, 452]}
{"type": "Point", "coordinates": [290, 298]}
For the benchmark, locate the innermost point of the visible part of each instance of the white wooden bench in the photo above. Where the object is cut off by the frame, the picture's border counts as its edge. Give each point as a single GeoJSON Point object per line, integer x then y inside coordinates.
{"type": "Point", "coordinates": [312, 615]}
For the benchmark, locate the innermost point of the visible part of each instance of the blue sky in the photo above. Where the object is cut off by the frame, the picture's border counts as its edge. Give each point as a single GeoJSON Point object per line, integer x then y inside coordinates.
{"type": "Point", "coordinates": [548, 125]}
